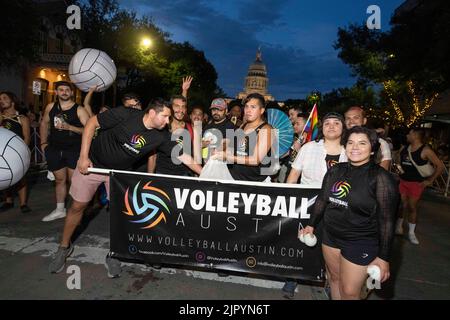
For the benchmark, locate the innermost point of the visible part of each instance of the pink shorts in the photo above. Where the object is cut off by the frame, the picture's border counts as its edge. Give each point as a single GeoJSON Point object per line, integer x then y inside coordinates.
{"type": "Point", "coordinates": [412, 189]}
{"type": "Point", "coordinates": [83, 187]}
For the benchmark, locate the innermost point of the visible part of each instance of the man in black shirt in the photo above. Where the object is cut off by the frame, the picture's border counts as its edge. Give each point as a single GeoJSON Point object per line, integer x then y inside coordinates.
{"type": "Point", "coordinates": [181, 130]}
{"type": "Point", "coordinates": [235, 112]}
{"type": "Point", "coordinates": [60, 131]}
{"type": "Point", "coordinates": [215, 132]}
{"type": "Point", "coordinates": [160, 163]}
{"type": "Point", "coordinates": [126, 136]}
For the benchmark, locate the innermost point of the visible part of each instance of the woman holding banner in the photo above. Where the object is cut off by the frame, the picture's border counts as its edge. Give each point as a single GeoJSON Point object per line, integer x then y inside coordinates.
{"type": "Point", "coordinates": [358, 203]}
{"type": "Point", "coordinates": [313, 161]}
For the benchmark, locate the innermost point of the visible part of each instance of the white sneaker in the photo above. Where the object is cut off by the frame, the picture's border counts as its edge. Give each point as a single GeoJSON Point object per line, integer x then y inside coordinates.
{"type": "Point", "coordinates": [412, 237]}
{"type": "Point", "coordinates": [55, 214]}
{"type": "Point", "coordinates": [50, 176]}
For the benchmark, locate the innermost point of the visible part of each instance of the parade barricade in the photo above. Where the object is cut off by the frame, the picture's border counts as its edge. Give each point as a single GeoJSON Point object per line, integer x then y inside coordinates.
{"type": "Point", "coordinates": [239, 226]}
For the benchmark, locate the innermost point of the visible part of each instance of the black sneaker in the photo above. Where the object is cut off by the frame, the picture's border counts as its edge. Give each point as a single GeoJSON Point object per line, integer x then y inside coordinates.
{"type": "Point", "coordinates": [6, 206]}
{"type": "Point", "coordinates": [25, 209]}
{"type": "Point", "coordinates": [59, 260]}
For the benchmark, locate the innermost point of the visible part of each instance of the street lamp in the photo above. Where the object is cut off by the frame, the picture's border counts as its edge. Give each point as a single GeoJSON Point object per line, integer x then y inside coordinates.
{"type": "Point", "coordinates": [146, 43]}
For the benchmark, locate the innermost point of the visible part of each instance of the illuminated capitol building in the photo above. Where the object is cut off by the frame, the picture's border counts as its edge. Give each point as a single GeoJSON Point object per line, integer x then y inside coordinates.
{"type": "Point", "coordinates": [256, 80]}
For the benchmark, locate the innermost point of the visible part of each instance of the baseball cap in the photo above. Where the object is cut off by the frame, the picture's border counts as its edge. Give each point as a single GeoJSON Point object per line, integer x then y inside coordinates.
{"type": "Point", "coordinates": [218, 103]}
{"type": "Point", "coordinates": [63, 83]}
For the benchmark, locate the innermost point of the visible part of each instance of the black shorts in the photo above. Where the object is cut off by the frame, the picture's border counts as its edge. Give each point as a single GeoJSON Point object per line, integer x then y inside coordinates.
{"type": "Point", "coordinates": [58, 159]}
{"type": "Point", "coordinates": [360, 252]}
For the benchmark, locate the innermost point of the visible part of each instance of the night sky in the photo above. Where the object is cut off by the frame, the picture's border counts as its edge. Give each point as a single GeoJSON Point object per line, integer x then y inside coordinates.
{"type": "Point", "coordinates": [296, 38]}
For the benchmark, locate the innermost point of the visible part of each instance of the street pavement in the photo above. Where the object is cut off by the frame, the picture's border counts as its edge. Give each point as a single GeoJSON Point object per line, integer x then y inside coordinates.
{"type": "Point", "coordinates": [27, 244]}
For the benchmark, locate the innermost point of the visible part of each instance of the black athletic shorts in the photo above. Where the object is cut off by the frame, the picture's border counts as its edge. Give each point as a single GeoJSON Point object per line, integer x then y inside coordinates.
{"type": "Point", "coordinates": [360, 252]}
{"type": "Point", "coordinates": [58, 159]}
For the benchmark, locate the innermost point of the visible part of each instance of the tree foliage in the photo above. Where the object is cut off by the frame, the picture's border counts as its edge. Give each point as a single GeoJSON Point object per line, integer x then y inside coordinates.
{"type": "Point", "coordinates": [150, 72]}
{"type": "Point", "coordinates": [19, 34]}
{"type": "Point", "coordinates": [411, 62]}
{"type": "Point", "coordinates": [361, 94]}
{"type": "Point", "coordinates": [419, 40]}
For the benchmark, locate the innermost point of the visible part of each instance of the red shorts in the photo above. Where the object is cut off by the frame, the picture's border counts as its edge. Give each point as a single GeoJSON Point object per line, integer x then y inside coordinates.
{"type": "Point", "coordinates": [412, 189]}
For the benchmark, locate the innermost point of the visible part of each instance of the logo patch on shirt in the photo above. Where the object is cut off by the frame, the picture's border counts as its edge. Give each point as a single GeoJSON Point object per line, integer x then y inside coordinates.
{"type": "Point", "coordinates": [242, 147]}
{"type": "Point", "coordinates": [341, 189]}
{"type": "Point", "coordinates": [137, 141]}
{"type": "Point", "coordinates": [331, 163]}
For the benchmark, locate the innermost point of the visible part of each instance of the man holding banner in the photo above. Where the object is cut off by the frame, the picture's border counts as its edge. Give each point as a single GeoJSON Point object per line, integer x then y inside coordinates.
{"type": "Point", "coordinates": [244, 226]}
{"type": "Point", "coordinates": [239, 226]}
{"type": "Point", "coordinates": [126, 136]}
{"type": "Point", "coordinates": [251, 154]}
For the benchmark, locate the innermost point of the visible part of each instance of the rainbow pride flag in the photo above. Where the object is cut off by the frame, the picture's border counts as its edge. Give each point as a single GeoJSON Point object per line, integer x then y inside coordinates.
{"type": "Point", "coordinates": [312, 125]}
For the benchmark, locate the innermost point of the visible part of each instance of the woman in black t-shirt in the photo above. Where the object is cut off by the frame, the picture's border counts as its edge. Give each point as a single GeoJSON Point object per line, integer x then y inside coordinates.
{"type": "Point", "coordinates": [358, 203]}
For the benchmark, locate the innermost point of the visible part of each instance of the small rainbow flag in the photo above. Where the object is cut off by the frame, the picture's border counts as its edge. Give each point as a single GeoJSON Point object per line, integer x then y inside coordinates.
{"type": "Point", "coordinates": [312, 125]}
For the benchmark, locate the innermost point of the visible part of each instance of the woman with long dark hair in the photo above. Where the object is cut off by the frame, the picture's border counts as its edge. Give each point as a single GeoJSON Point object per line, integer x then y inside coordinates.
{"type": "Point", "coordinates": [357, 203]}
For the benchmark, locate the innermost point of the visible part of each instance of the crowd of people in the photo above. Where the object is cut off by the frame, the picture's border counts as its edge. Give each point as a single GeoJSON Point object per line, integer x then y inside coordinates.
{"type": "Point", "coordinates": [358, 229]}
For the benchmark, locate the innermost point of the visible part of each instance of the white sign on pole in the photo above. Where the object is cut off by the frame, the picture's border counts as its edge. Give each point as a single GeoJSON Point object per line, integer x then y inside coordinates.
{"type": "Point", "coordinates": [36, 87]}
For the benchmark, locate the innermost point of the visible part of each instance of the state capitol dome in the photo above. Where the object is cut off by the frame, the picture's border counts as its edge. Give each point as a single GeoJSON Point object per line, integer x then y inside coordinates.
{"type": "Point", "coordinates": [256, 80]}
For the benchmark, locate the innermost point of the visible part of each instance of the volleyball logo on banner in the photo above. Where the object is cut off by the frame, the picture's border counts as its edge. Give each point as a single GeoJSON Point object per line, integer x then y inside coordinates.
{"type": "Point", "coordinates": [147, 207]}
{"type": "Point", "coordinates": [92, 68]}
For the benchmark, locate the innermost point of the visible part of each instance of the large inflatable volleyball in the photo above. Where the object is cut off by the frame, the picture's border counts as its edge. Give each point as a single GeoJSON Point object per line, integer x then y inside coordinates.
{"type": "Point", "coordinates": [92, 67]}
{"type": "Point", "coordinates": [14, 158]}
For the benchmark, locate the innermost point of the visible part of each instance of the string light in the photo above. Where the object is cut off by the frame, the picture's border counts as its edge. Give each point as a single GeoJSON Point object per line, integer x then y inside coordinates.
{"type": "Point", "coordinates": [399, 119]}
{"type": "Point", "coordinates": [418, 110]}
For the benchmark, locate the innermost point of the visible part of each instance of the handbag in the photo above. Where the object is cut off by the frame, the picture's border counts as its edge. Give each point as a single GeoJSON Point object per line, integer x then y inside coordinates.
{"type": "Point", "coordinates": [426, 170]}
